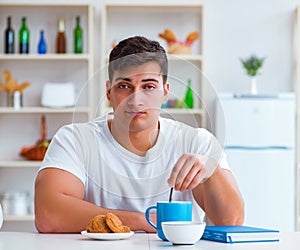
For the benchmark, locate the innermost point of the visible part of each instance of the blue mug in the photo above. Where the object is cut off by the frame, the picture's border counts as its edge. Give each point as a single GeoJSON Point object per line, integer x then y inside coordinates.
{"type": "Point", "coordinates": [169, 211]}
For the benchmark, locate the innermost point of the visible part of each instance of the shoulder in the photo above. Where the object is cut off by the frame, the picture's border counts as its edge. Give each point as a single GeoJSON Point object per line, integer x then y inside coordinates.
{"type": "Point", "coordinates": [81, 130]}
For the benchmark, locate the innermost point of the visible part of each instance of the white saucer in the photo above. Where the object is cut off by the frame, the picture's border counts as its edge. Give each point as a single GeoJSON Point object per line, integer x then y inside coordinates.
{"type": "Point", "coordinates": [107, 236]}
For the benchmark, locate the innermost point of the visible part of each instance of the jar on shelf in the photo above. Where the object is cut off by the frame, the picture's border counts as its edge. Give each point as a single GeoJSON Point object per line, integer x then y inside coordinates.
{"type": "Point", "coordinates": [15, 203]}
{"type": "Point", "coordinates": [15, 100]}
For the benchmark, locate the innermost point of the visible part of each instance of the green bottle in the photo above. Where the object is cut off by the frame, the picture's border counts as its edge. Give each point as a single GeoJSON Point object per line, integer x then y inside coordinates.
{"type": "Point", "coordinates": [24, 38]}
{"type": "Point", "coordinates": [78, 43]}
{"type": "Point", "coordinates": [189, 99]}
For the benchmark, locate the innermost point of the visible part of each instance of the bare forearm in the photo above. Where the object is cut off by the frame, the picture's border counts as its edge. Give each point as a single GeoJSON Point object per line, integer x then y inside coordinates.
{"type": "Point", "coordinates": [221, 199]}
{"type": "Point", "coordinates": [63, 213]}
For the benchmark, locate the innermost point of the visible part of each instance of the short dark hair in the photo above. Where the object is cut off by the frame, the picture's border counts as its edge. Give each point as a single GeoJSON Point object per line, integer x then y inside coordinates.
{"type": "Point", "coordinates": [135, 51]}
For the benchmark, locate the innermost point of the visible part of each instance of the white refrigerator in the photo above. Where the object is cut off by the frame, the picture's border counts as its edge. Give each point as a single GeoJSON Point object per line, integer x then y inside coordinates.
{"type": "Point", "coordinates": [259, 140]}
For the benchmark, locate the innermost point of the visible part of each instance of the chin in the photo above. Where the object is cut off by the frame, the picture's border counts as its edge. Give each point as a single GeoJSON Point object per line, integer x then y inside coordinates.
{"type": "Point", "coordinates": [138, 124]}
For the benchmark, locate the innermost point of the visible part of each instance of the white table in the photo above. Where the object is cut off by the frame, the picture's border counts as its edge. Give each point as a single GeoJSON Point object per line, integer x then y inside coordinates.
{"type": "Point", "coordinates": [140, 241]}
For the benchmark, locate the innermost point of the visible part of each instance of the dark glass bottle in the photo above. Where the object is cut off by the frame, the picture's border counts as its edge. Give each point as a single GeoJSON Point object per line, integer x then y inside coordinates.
{"type": "Point", "coordinates": [24, 38]}
{"type": "Point", "coordinates": [61, 38]}
{"type": "Point", "coordinates": [9, 38]}
{"type": "Point", "coordinates": [189, 99]}
{"type": "Point", "coordinates": [42, 47]}
{"type": "Point", "coordinates": [78, 43]}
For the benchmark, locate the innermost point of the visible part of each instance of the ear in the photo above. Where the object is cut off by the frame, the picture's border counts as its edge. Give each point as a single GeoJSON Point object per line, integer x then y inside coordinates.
{"type": "Point", "coordinates": [108, 88]}
{"type": "Point", "coordinates": [166, 91]}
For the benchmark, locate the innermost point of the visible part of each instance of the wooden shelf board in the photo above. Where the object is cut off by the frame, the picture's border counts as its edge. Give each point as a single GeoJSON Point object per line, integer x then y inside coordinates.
{"type": "Point", "coordinates": [20, 164]}
{"type": "Point", "coordinates": [153, 5]}
{"type": "Point", "coordinates": [37, 110]}
{"type": "Point", "coordinates": [182, 111]}
{"type": "Point", "coordinates": [45, 3]}
{"type": "Point", "coordinates": [29, 217]}
{"type": "Point", "coordinates": [19, 57]}
{"type": "Point", "coordinates": [172, 57]}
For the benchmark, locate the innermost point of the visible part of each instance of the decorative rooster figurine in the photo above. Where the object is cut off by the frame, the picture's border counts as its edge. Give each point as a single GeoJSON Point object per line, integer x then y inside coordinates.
{"type": "Point", "coordinates": [179, 47]}
{"type": "Point", "coordinates": [10, 84]}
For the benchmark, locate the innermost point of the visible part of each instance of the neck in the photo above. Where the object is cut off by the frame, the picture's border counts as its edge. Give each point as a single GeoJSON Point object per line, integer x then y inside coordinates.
{"type": "Point", "coordinates": [137, 142]}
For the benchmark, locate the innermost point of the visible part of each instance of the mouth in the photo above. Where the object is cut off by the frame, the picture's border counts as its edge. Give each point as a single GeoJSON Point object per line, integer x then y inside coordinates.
{"type": "Point", "coordinates": [135, 113]}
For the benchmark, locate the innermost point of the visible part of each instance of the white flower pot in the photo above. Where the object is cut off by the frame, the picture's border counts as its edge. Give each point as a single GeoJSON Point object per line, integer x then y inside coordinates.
{"type": "Point", "coordinates": [253, 89]}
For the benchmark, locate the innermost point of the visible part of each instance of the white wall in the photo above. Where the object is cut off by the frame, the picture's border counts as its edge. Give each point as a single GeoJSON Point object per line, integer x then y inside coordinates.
{"type": "Point", "coordinates": [240, 28]}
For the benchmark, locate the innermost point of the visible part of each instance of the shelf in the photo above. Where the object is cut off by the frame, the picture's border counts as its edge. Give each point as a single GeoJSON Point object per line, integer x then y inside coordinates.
{"type": "Point", "coordinates": [42, 110]}
{"type": "Point", "coordinates": [174, 58]}
{"type": "Point", "coordinates": [16, 172]}
{"type": "Point", "coordinates": [172, 111]}
{"type": "Point", "coordinates": [182, 111]}
{"type": "Point", "coordinates": [29, 217]}
{"type": "Point", "coordinates": [181, 18]}
{"type": "Point", "coordinates": [19, 57]}
{"type": "Point", "coordinates": [20, 164]}
{"type": "Point", "coordinates": [185, 57]}
{"type": "Point", "coordinates": [45, 3]}
{"type": "Point", "coordinates": [153, 5]}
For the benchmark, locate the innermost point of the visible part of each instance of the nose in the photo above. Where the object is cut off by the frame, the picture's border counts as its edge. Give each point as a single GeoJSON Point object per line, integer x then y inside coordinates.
{"type": "Point", "coordinates": [136, 99]}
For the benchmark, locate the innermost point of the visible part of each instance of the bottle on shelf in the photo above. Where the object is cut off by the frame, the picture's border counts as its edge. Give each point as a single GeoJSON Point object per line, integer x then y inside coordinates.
{"type": "Point", "coordinates": [9, 42]}
{"type": "Point", "coordinates": [61, 38]}
{"type": "Point", "coordinates": [42, 47]}
{"type": "Point", "coordinates": [189, 98]}
{"type": "Point", "coordinates": [24, 38]}
{"type": "Point", "coordinates": [78, 43]}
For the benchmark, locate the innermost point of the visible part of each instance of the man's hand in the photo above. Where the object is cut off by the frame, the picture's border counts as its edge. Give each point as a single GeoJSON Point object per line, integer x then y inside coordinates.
{"type": "Point", "coordinates": [191, 170]}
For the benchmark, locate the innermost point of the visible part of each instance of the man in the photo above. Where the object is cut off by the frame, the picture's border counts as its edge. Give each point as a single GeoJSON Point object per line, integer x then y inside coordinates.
{"type": "Point", "coordinates": [125, 162]}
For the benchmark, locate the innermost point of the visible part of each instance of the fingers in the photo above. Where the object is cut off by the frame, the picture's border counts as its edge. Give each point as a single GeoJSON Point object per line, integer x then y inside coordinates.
{"type": "Point", "coordinates": [186, 173]}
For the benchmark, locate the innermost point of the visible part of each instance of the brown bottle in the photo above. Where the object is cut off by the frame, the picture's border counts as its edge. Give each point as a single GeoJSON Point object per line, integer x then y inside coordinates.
{"type": "Point", "coordinates": [61, 38]}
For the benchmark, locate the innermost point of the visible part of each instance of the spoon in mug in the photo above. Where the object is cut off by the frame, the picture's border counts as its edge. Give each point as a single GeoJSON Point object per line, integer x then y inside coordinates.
{"type": "Point", "coordinates": [171, 192]}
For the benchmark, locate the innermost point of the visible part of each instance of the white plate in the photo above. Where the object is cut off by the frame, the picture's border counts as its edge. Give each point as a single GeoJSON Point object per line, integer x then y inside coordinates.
{"type": "Point", "coordinates": [107, 236]}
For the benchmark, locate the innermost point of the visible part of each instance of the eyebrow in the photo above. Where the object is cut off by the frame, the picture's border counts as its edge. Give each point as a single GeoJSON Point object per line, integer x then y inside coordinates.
{"type": "Point", "coordinates": [150, 80]}
{"type": "Point", "coordinates": [129, 80]}
{"type": "Point", "coordinates": [122, 79]}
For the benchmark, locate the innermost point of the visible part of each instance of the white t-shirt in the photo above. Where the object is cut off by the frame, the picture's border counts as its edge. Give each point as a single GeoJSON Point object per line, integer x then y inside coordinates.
{"type": "Point", "coordinates": [116, 178]}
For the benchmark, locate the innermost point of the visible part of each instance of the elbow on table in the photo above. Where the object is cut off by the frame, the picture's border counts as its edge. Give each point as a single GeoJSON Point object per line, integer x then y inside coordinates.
{"type": "Point", "coordinates": [45, 223]}
{"type": "Point", "coordinates": [232, 221]}
{"type": "Point", "coordinates": [236, 219]}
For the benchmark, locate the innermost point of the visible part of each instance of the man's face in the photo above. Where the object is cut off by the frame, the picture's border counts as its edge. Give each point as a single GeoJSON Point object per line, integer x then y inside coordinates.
{"type": "Point", "coordinates": [136, 95]}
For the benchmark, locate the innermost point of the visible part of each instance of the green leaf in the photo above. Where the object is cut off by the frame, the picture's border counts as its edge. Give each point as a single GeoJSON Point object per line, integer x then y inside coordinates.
{"type": "Point", "coordinates": [252, 64]}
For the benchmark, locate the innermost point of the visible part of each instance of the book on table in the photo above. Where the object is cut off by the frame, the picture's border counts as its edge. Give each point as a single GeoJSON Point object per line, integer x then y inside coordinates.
{"type": "Point", "coordinates": [239, 234]}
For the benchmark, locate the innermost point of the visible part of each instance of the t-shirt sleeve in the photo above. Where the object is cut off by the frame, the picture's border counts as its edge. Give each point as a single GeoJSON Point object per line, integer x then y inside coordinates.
{"type": "Point", "coordinates": [216, 151]}
{"type": "Point", "coordinates": [64, 154]}
{"type": "Point", "coordinates": [205, 143]}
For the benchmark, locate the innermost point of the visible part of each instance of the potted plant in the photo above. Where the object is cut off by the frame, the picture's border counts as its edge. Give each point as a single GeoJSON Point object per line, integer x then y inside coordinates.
{"type": "Point", "coordinates": [252, 65]}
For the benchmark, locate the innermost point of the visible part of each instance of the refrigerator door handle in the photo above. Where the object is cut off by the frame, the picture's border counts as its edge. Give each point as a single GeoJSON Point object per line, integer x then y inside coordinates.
{"type": "Point", "coordinates": [259, 148]}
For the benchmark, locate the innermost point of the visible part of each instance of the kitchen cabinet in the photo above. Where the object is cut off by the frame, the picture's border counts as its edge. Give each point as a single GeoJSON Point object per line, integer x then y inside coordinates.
{"type": "Point", "coordinates": [121, 20]}
{"type": "Point", "coordinates": [22, 127]}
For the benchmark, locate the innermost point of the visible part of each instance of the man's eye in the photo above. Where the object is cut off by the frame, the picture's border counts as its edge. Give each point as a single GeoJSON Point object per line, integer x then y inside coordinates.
{"type": "Point", "coordinates": [149, 87]}
{"type": "Point", "coordinates": [123, 86]}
